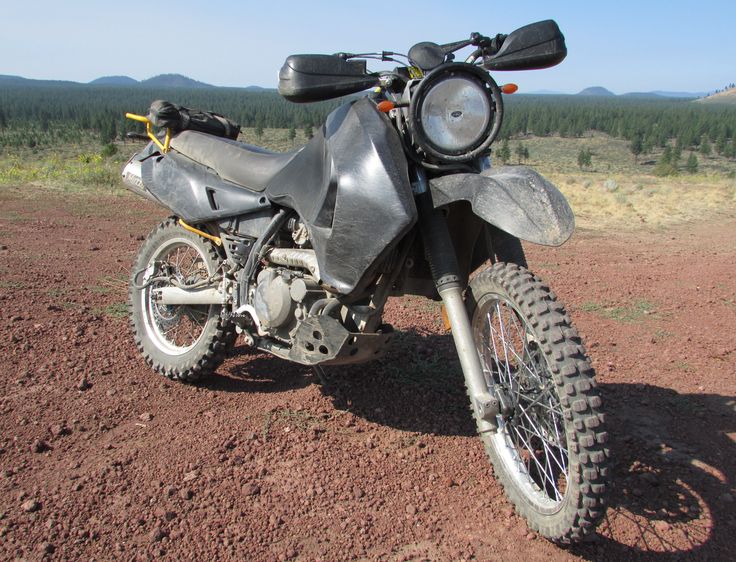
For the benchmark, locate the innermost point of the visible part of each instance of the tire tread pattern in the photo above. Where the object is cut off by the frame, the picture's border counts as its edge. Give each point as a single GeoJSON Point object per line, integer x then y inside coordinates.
{"type": "Point", "coordinates": [589, 456]}
{"type": "Point", "coordinates": [219, 341]}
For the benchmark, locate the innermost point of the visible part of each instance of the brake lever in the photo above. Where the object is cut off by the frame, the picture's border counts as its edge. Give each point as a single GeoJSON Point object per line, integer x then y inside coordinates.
{"type": "Point", "coordinates": [448, 48]}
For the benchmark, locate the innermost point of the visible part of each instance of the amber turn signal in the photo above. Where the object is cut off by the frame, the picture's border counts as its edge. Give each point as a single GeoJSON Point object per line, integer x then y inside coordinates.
{"type": "Point", "coordinates": [385, 106]}
{"type": "Point", "coordinates": [509, 88]}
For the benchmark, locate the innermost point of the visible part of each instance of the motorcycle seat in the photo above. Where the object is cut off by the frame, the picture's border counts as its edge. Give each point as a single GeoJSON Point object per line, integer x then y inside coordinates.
{"type": "Point", "coordinates": [243, 164]}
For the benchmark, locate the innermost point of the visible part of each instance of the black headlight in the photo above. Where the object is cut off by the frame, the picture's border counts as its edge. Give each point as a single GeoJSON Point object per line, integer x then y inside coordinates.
{"type": "Point", "coordinates": [455, 112]}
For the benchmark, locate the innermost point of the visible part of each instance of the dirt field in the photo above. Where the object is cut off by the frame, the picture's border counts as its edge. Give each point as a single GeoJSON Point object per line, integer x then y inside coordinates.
{"type": "Point", "coordinates": [100, 459]}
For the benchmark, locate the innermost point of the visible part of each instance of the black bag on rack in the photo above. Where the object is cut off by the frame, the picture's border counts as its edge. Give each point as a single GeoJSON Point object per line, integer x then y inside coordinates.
{"type": "Point", "coordinates": [177, 118]}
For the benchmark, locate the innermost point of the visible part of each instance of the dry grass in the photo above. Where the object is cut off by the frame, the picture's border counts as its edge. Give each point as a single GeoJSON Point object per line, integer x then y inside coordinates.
{"type": "Point", "coordinates": [629, 202]}
{"type": "Point", "coordinates": [619, 192]}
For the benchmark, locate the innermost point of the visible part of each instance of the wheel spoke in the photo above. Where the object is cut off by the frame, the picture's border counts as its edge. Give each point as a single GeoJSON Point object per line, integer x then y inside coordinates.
{"type": "Point", "coordinates": [520, 360]}
{"type": "Point", "coordinates": [548, 469]}
{"type": "Point", "coordinates": [545, 444]}
{"type": "Point", "coordinates": [512, 358]}
{"type": "Point", "coordinates": [544, 473]}
{"type": "Point", "coordinates": [179, 327]}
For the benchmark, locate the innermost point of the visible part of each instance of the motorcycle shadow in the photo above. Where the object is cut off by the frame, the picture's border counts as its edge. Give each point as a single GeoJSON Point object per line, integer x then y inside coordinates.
{"type": "Point", "coordinates": [416, 386]}
{"type": "Point", "coordinates": [254, 372]}
{"type": "Point", "coordinates": [673, 476]}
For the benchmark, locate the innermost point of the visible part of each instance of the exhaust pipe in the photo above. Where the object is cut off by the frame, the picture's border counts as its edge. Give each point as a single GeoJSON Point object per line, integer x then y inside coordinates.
{"type": "Point", "coordinates": [295, 257]}
{"type": "Point", "coordinates": [177, 296]}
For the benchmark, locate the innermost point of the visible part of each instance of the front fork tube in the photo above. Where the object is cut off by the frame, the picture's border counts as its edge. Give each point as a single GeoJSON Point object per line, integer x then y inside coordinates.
{"type": "Point", "coordinates": [446, 274]}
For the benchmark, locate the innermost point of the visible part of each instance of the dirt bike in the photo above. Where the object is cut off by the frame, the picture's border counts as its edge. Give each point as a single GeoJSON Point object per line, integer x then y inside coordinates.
{"type": "Point", "coordinates": [394, 195]}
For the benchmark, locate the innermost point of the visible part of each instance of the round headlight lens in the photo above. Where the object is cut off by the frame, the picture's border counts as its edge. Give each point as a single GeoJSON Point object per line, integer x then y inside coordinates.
{"type": "Point", "coordinates": [456, 114]}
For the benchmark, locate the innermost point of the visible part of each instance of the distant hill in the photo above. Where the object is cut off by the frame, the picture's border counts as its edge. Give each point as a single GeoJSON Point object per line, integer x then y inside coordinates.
{"type": "Point", "coordinates": [641, 95]}
{"type": "Point", "coordinates": [679, 94]}
{"type": "Point", "coordinates": [160, 81]}
{"type": "Point", "coordinates": [7, 80]}
{"type": "Point", "coordinates": [173, 81]}
{"type": "Point", "coordinates": [596, 91]}
{"type": "Point", "coordinates": [114, 81]}
{"type": "Point", "coordinates": [258, 89]}
{"type": "Point", "coordinates": [727, 97]}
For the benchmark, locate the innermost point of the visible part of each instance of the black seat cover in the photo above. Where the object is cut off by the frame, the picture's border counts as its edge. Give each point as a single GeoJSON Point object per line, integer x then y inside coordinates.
{"type": "Point", "coordinates": [250, 166]}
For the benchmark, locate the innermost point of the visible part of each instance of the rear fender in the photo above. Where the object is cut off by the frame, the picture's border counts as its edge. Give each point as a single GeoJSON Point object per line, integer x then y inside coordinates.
{"type": "Point", "coordinates": [515, 199]}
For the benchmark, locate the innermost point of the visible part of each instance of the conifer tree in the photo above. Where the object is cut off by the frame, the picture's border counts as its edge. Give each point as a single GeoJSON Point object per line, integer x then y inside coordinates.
{"type": "Point", "coordinates": [705, 148]}
{"type": "Point", "coordinates": [504, 153]}
{"type": "Point", "coordinates": [637, 146]}
{"type": "Point", "coordinates": [585, 158]}
{"type": "Point", "coordinates": [692, 163]}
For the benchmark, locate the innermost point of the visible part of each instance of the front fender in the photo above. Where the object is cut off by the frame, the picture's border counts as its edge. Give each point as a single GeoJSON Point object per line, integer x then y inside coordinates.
{"type": "Point", "coordinates": [516, 199]}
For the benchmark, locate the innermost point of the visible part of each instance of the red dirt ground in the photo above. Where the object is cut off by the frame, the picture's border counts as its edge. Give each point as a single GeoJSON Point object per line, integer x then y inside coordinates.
{"type": "Point", "coordinates": [101, 459]}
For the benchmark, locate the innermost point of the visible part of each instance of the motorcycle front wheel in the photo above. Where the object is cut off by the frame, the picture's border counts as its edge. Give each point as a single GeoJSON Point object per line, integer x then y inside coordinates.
{"type": "Point", "coordinates": [549, 451]}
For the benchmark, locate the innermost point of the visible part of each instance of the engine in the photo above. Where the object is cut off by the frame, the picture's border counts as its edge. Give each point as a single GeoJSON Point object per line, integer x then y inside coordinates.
{"type": "Point", "coordinates": [282, 297]}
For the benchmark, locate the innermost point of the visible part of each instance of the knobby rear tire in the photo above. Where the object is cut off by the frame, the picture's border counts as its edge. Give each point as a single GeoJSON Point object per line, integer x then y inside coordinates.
{"type": "Point", "coordinates": [217, 336]}
{"type": "Point", "coordinates": [559, 355]}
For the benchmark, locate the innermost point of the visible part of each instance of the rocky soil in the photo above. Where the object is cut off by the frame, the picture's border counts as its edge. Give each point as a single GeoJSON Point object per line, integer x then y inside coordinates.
{"type": "Point", "coordinates": [100, 459]}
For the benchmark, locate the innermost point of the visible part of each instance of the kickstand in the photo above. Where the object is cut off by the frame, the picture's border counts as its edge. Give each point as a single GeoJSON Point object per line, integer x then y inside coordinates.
{"type": "Point", "coordinates": [321, 375]}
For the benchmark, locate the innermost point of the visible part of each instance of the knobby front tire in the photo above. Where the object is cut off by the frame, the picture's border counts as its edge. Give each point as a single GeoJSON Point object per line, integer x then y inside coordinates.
{"type": "Point", "coordinates": [550, 451]}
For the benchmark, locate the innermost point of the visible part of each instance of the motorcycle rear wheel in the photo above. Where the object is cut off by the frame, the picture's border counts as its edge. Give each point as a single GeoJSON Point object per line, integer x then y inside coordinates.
{"type": "Point", "coordinates": [549, 451]}
{"type": "Point", "coordinates": [182, 342]}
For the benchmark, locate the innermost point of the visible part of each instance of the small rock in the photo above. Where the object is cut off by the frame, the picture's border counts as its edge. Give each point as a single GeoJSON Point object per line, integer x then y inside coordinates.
{"type": "Point", "coordinates": [146, 416]}
{"type": "Point", "coordinates": [169, 491]}
{"type": "Point", "coordinates": [610, 185]}
{"type": "Point", "coordinates": [650, 478]}
{"type": "Point", "coordinates": [530, 536]}
{"type": "Point", "coordinates": [165, 514]}
{"type": "Point", "coordinates": [411, 510]}
{"type": "Point", "coordinates": [46, 548]}
{"type": "Point", "coordinates": [30, 506]}
{"type": "Point", "coordinates": [59, 430]}
{"type": "Point", "coordinates": [251, 489]}
{"type": "Point", "coordinates": [83, 384]}
{"type": "Point", "coordinates": [156, 534]}
{"type": "Point", "coordinates": [40, 446]}
{"type": "Point", "coordinates": [186, 494]}
{"type": "Point", "coordinates": [189, 476]}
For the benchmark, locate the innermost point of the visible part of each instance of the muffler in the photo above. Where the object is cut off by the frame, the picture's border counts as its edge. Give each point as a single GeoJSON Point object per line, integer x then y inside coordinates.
{"type": "Point", "coordinates": [177, 296]}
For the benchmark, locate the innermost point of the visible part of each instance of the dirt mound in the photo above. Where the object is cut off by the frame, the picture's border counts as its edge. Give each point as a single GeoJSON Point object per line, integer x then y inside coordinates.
{"type": "Point", "coordinates": [101, 459]}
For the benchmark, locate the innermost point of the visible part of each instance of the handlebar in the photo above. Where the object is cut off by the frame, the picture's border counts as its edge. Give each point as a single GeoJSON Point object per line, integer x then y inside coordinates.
{"type": "Point", "coordinates": [486, 45]}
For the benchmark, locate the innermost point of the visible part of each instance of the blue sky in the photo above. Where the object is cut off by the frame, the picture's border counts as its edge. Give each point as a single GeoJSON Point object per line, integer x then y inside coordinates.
{"type": "Point", "coordinates": [623, 45]}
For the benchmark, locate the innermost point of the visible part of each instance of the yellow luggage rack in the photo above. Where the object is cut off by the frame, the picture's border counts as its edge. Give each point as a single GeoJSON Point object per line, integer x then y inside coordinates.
{"type": "Point", "coordinates": [149, 131]}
